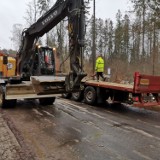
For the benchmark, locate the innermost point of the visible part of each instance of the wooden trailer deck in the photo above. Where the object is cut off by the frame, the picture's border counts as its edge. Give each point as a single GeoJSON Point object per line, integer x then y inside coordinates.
{"type": "Point", "coordinates": [142, 84]}
{"type": "Point", "coordinates": [110, 85]}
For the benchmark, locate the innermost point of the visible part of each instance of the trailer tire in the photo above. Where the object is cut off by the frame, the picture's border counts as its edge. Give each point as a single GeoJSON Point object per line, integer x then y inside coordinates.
{"type": "Point", "coordinates": [77, 96]}
{"type": "Point", "coordinates": [66, 95]}
{"type": "Point", "coordinates": [90, 95]}
{"type": "Point", "coordinates": [46, 101]}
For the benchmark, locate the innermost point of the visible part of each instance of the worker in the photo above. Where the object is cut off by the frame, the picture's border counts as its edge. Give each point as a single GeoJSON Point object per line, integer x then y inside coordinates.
{"type": "Point", "coordinates": [99, 68]}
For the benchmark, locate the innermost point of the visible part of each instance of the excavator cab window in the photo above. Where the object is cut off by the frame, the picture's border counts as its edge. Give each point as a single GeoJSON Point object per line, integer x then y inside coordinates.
{"type": "Point", "coordinates": [46, 61]}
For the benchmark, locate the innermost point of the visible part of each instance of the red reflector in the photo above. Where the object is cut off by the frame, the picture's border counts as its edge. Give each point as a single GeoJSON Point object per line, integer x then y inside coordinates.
{"type": "Point", "coordinates": [136, 99]}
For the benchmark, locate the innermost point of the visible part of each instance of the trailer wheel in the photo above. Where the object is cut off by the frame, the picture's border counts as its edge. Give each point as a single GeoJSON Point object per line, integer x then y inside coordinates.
{"type": "Point", "coordinates": [90, 95]}
{"type": "Point", "coordinates": [46, 101]}
{"type": "Point", "coordinates": [77, 96]}
{"type": "Point", "coordinates": [66, 95]}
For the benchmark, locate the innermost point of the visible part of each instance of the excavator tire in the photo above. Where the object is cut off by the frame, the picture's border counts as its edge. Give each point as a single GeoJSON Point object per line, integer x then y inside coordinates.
{"type": "Point", "coordinates": [46, 101]}
{"type": "Point", "coordinates": [77, 96]}
{"type": "Point", "coordinates": [4, 103]}
{"type": "Point", "coordinates": [66, 95]}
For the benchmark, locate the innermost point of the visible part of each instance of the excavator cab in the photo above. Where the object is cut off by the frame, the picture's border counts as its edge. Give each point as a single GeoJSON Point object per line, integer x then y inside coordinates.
{"type": "Point", "coordinates": [43, 61]}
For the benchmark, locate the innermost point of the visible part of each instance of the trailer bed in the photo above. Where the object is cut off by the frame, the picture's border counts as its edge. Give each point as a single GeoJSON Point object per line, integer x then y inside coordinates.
{"type": "Point", "coordinates": [110, 85]}
{"type": "Point", "coordinates": [142, 84]}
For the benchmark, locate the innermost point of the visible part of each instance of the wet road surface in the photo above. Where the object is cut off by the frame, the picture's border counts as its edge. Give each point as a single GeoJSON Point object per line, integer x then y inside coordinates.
{"type": "Point", "coordinates": [70, 130]}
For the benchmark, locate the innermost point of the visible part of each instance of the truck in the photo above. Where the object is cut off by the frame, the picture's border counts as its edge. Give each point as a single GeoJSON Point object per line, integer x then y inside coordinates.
{"type": "Point", "coordinates": [35, 65]}
{"type": "Point", "coordinates": [144, 92]}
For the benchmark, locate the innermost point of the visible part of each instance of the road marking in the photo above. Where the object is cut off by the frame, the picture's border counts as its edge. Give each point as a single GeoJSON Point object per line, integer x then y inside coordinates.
{"type": "Point", "coordinates": [76, 129]}
{"type": "Point", "coordinates": [156, 126]}
{"type": "Point", "coordinates": [141, 155]}
{"type": "Point", "coordinates": [141, 132]}
{"type": "Point", "coordinates": [37, 112]}
{"type": "Point", "coordinates": [48, 113]}
{"type": "Point", "coordinates": [112, 121]}
{"type": "Point", "coordinates": [82, 109]}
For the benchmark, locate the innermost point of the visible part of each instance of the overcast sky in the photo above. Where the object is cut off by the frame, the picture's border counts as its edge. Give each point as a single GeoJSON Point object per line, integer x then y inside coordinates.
{"type": "Point", "coordinates": [13, 12]}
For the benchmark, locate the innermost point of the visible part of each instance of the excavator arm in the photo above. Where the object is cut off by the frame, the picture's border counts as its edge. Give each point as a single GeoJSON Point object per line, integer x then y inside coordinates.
{"type": "Point", "coordinates": [75, 11]}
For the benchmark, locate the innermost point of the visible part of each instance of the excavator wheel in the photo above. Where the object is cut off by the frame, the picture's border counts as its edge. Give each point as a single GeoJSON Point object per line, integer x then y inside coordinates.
{"type": "Point", "coordinates": [4, 103]}
{"type": "Point", "coordinates": [46, 101]}
{"type": "Point", "coordinates": [66, 95]}
{"type": "Point", "coordinates": [77, 96]}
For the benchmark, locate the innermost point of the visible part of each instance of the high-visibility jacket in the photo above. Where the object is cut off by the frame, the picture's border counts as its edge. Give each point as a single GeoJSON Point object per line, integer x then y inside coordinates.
{"type": "Point", "coordinates": [99, 65]}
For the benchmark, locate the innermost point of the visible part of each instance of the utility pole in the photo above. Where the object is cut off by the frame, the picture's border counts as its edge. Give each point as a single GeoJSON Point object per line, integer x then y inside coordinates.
{"type": "Point", "coordinates": [94, 37]}
{"type": "Point", "coordinates": [154, 50]}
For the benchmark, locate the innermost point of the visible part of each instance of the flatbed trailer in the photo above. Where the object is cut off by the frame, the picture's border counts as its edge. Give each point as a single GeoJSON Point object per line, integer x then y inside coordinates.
{"type": "Point", "coordinates": [44, 88]}
{"type": "Point", "coordinates": [144, 92]}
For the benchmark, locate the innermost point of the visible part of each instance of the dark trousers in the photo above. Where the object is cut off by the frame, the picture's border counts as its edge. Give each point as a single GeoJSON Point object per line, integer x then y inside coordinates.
{"type": "Point", "coordinates": [100, 74]}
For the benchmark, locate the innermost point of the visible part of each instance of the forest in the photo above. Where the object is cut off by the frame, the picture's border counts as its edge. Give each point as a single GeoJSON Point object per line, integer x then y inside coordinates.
{"type": "Point", "coordinates": [129, 44]}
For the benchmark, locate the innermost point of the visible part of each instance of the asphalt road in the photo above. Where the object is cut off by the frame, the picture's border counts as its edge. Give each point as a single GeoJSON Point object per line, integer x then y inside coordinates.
{"type": "Point", "coordinates": [69, 130]}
